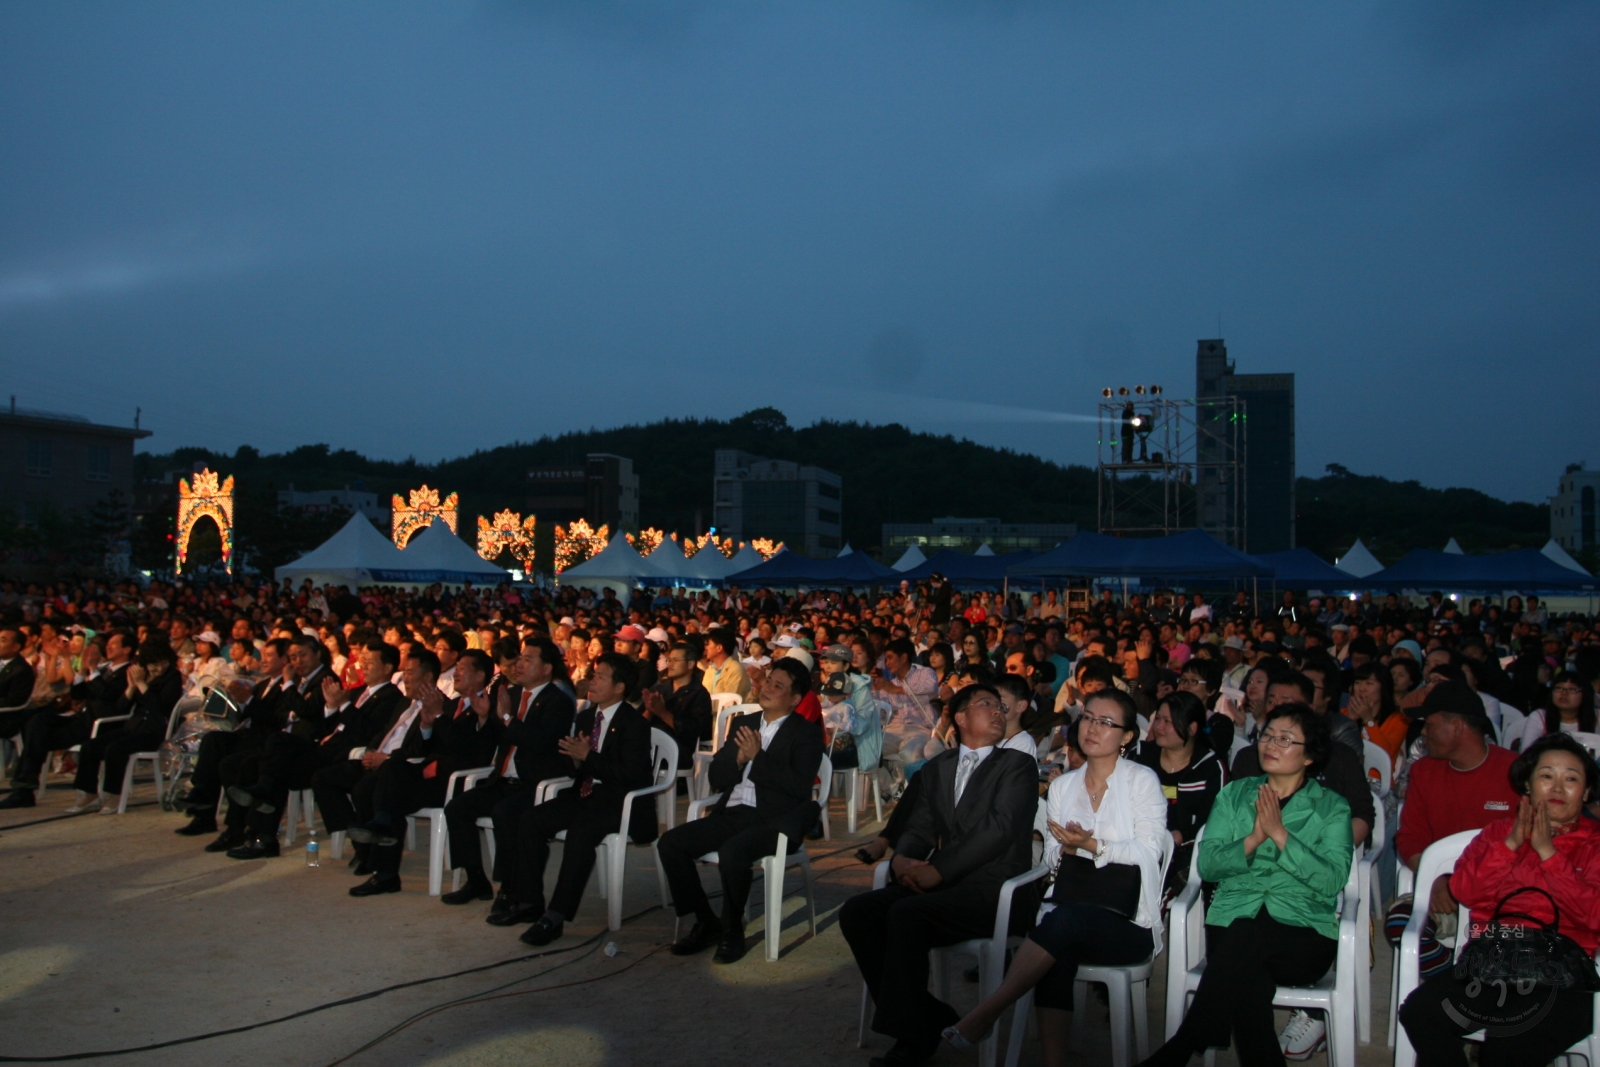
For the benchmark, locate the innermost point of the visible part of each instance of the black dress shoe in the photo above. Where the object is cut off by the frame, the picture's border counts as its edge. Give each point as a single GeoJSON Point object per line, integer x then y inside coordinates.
{"type": "Point", "coordinates": [378, 883]}
{"type": "Point", "coordinates": [19, 798]}
{"type": "Point", "coordinates": [468, 893]}
{"type": "Point", "coordinates": [543, 931]}
{"type": "Point", "coordinates": [700, 937]}
{"type": "Point", "coordinates": [731, 949]}
{"type": "Point", "coordinates": [200, 824]}
{"type": "Point", "coordinates": [515, 917]}
{"type": "Point", "coordinates": [228, 839]}
{"type": "Point", "coordinates": [255, 849]}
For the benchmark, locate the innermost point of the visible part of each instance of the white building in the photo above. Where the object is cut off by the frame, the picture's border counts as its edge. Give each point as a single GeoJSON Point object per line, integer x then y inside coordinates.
{"type": "Point", "coordinates": [1572, 509]}
{"type": "Point", "coordinates": [328, 499]}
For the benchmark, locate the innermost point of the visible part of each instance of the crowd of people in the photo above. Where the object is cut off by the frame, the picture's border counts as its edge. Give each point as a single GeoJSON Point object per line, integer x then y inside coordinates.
{"type": "Point", "coordinates": [1111, 734]}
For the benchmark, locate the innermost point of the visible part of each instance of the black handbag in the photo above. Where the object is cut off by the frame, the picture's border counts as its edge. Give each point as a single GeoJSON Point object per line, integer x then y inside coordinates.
{"type": "Point", "coordinates": [1534, 954]}
{"type": "Point", "coordinates": [1114, 887]}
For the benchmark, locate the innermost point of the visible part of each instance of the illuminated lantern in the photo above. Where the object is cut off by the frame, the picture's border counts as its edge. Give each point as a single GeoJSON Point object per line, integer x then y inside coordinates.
{"type": "Point", "coordinates": [205, 499]}
{"type": "Point", "coordinates": [578, 542]}
{"type": "Point", "coordinates": [509, 532]}
{"type": "Point", "coordinates": [648, 541]}
{"type": "Point", "coordinates": [425, 506]}
{"type": "Point", "coordinates": [766, 547]}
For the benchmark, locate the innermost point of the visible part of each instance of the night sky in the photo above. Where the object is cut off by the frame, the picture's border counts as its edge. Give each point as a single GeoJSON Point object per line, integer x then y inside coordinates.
{"type": "Point", "coordinates": [427, 229]}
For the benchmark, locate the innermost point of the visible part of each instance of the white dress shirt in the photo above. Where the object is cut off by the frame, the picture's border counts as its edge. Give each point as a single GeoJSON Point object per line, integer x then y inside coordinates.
{"type": "Point", "coordinates": [744, 794]}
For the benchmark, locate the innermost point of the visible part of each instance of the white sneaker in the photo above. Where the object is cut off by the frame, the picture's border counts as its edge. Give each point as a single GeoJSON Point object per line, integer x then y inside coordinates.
{"type": "Point", "coordinates": [83, 803]}
{"type": "Point", "coordinates": [109, 809]}
{"type": "Point", "coordinates": [1304, 1035]}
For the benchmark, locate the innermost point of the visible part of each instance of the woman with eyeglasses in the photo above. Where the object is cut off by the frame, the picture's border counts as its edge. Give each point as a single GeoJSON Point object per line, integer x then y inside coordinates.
{"type": "Point", "coordinates": [1106, 821]}
{"type": "Point", "coordinates": [1190, 774]}
{"type": "Point", "coordinates": [1569, 708]}
{"type": "Point", "coordinates": [1278, 846]}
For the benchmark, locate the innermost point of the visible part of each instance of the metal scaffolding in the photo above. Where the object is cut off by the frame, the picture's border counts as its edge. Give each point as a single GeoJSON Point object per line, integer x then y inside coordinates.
{"type": "Point", "coordinates": [1165, 466]}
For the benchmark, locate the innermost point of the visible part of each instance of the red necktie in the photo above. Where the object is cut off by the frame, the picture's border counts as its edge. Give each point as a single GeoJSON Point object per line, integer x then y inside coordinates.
{"type": "Point", "coordinates": [522, 713]}
{"type": "Point", "coordinates": [595, 733]}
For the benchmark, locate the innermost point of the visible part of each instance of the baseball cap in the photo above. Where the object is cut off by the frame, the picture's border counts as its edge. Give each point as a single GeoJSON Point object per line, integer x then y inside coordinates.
{"type": "Point", "coordinates": [1234, 643]}
{"type": "Point", "coordinates": [658, 635]}
{"type": "Point", "coordinates": [786, 641]}
{"type": "Point", "coordinates": [802, 656]}
{"type": "Point", "coordinates": [838, 653]}
{"type": "Point", "coordinates": [630, 632]}
{"type": "Point", "coordinates": [1457, 698]}
{"type": "Point", "coordinates": [210, 637]}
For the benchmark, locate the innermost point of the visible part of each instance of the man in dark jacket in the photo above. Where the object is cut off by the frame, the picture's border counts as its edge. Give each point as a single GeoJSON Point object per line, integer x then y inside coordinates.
{"type": "Point", "coordinates": [154, 687]}
{"type": "Point", "coordinates": [680, 703]}
{"type": "Point", "coordinates": [971, 830]}
{"type": "Point", "coordinates": [609, 753]}
{"type": "Point", "coordinates": [765, 774]}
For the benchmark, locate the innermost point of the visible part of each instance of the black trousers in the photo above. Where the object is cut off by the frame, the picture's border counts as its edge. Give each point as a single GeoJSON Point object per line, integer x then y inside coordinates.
{"type": "Point", "coordinates": [12, 722]}
{"type": "Point", "coordinates": [890, 932]}
{"type": "Point", "coordinates": [586, 820]}
{"type": "Point", "coordinates": [334, 786]}
{"type": "Point", "coordinates": [205, 782]}
{"type": "Point", "coordinates": [390, 793]}
{"type": "Point", "coordinates": [45, 732]}
{"type": "Point", "coordinates": [1437, 1037]}
{"type": "Point", "coordinates": [1075, 934]}
{"type": "Point", "coordinates": [286, 762]}
{"type": "Point", "coordinates": [485, 799]}
{"type": "Point", "coordinates": [740, 838]}
{"type": "Point", "coordinates": [111, 751]}
{"type": "Point", "coordinates": [1246, 962]}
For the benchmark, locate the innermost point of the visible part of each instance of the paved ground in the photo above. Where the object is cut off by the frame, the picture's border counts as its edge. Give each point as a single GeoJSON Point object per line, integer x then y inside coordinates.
{"type": "Point", "coordinates": [118, 933]}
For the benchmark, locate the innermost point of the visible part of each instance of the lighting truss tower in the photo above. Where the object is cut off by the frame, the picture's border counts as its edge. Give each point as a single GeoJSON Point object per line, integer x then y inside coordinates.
{"type": "Point", "coordinates": [1165, 466]}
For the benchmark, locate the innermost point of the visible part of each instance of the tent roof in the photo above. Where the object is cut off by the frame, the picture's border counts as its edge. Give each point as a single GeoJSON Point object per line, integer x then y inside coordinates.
{"type": "Point", "coordinates": [1301, 568]}
{"type": "Point", "coordinates": [965, 570]}
{"type": "Point", "coordinates": [984, 550]}
{"type": "Point", "coordinates": [1526, 570]}
{"type": "Point", "coordinates": [912, 557]}
{"type": "Point", "coordinates": [1553, 551]}
{"type": "Point", "coordinates": [790, 568]}
{"type": "Point", "coordinates": [618, 561]}
{"type": "Point", "coordinates": [1359, 561]}
{"type": "Point", "coordinates": [436, 554]}
{"type": "Point", "coordinates": [351, 554]}
{"type": "Point", "coordinates": [745, 558]}
{"type": "Point", "coordinates": [710, 565]}
{"type": "Point", "coordinates": [846, 550]}
{"type": "Point", "coordinates": [1453, 547]}
{"type": "Point", "coordinates": [1193, 554]}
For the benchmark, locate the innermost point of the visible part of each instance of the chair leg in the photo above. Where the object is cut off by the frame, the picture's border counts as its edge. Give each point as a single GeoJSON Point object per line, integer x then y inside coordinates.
{"type": "Point", "coordinates": [617, 845]}
{"type": "Point", "coordinates": [437, 848]}
{"type": "Point", "coordinates": [600, 858]}
{"type": "Point", "coordinates": [488, 851]}
{"type": "Point", "coordinates": [1139, 1005]}
{"type": "Point", "coordinates": [866, 1009]}
{"type": "Point", "coordinates": [811, 897]}
{"type": "Point", "coordinates": [336, 845]}
{"type": "Point", "coordinates": [1394, 997]}
{"type": "Point", "coordinates": [127, 786]}
{"type": "Point", "coordinates": [291, 818]}
{"type": "Point", "coordinates": [851, 803]}
{"type": "Point", "coordinates": [877, 794]}
{"type": "Point", "coordinates": [772, 872]}
{"type": "Point", "coordinates": [411, 834]}
{"type": "Point", "coordinates": [661, 879]}
{"type": "Point", "coordinates": [161, 789]}
{"type": "Point", "coordinates": [1121, 1025]}
{"type": "Point", "coordinates": [1021, 1012]}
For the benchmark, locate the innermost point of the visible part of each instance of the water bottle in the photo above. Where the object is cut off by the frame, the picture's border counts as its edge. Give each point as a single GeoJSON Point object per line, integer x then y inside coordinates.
{"type": "Point", "coordinates": [313, 857]}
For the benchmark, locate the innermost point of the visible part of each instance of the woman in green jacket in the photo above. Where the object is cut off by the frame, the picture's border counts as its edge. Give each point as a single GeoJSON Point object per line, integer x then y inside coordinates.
{"type": "Point", "coordinates": [1279, 849]}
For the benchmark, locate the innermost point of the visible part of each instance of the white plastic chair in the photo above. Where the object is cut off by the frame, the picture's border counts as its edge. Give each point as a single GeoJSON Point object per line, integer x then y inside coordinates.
{"type": "Point", "coordinates": [1512, 720]}
{"type": "Point", "coordinates": [154, 757]}
{"type": "Point", "coordinates": [1333, 994]}
{"type": "Point", "coordinates": [700, 781]}
{"type": "Point", "coordinates": [772, 867]}
{"type": "Point", "coordinates": [1127, 994]}
{"type": "Point", "coordinates": [1366, 856]}
{"type": "Point", "coordinates": [612, 853]}
{"type": "Point", "coordinates": [854, 801]}
{"type": "Point", "coordinates": [302, 804]}
{"type": "Point", "coordinates": [1380, 768]}
{"type": "Point", "coordinates": [1591, 744]}
{"type": "Point", "coordinates": [991, 953]}
{"type": "Point", "coordinates": [438, 833]}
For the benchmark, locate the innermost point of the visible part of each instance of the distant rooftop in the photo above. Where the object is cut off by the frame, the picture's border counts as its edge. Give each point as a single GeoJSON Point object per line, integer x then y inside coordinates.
{"type": "Point", "coordinates": [40, 415]}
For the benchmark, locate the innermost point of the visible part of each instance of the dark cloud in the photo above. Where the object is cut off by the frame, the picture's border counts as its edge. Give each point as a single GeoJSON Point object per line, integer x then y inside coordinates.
{"type": "Point", "coordinates": [432, 229]}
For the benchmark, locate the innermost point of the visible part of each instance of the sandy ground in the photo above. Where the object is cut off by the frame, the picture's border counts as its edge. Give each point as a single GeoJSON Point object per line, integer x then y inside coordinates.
{"type": "Point", "coordinates": [118, 933]}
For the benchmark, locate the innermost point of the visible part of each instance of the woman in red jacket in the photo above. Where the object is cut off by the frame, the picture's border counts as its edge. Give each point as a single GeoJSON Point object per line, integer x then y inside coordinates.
{"type": "Point", "coordinates": [1549, 845]}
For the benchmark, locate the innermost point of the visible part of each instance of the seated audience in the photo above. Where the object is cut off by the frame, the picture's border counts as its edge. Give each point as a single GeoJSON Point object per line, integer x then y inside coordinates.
{"type": "Point", "coordinates": [1189, 772]}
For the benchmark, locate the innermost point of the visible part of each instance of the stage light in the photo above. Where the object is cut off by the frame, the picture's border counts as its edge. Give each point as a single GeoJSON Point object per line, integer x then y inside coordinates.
{"type": "Point", "coordinates": [1138, 390]}
{"type": "Point", "coordinates": [1106, 392]}
{"type": "Point", "coordinates": [1122, 391]}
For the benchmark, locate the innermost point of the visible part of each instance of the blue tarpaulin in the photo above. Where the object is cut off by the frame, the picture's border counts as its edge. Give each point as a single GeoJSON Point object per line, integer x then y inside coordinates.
{"type": "Point", "coordinates": [1194, 555]}
{"type": "Point", "coordinates": [1525, 570]}
{"type": "Point", "coordinates": [1301, 568]}
{"type": "Point", "coordinates": [791, 568]}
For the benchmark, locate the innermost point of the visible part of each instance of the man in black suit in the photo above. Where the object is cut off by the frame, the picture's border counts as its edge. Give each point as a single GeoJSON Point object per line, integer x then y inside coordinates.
{"type": "Point", "coordinates": [99, 689]}
{"type": "Point", "coordinates": [680, 703]}
{"type": "Point", "coordinates": [261, 715]}
{"type": "Point", "coordinates": [313, 737]}
{"type": "Point", "coordinates": [16, 682]}
{"type": "Point", "coordinates": [609, 756]}
{"type": "Point", "coordinates": [970, 831]}
{"type": "Point", "coordinates": [765, 773]}
{"type": "Point", "coordinates": [154, 688]}
{"type": "Point", "coordinates": [447, 736]}
{"type": "Point", "coordinates": [537, 714]}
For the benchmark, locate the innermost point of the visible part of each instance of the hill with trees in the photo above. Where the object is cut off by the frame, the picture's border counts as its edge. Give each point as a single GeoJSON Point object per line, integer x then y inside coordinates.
{"type": "Point", "coordinates": [890, 473]}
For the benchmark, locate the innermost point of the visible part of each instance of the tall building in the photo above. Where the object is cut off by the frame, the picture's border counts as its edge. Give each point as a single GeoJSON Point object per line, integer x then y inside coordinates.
{"type": "Point", "coordinates": [64, 462]}
{"type": "Point", "coordinates": [604, 491]}
{"type": "Point", "coordinates": [1572, 509]}
{"type": "Point", "coordinates": [753, 496]}
{"type": "Point", "coordinates": [1269, 464]}
{"type": "Point", "coordinates": [328, 499]}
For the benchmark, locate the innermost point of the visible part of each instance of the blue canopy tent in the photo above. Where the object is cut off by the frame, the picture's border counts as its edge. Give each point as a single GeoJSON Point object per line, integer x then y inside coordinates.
{"type": "Point", "coordinates": [967, 572]}
{"type": "Point", "coordinates": [1525, 570]}
{"type": "Point", "coordinates": [1194, 555]}
{"type": "Point", "coordinates": [1301, 568]}
{"type": "Point", "coordinates": [791, 569]}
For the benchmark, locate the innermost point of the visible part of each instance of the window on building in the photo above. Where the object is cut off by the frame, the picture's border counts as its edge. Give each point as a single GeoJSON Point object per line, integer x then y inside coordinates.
{"type": "Point", "coordinates": [824, 515]}
{"type": "Point", "coordinates": [97, 464]}
{"type": "Point", "coordinates": [829, 491]}
{"type": "Point", "coordinates": [39, 459]}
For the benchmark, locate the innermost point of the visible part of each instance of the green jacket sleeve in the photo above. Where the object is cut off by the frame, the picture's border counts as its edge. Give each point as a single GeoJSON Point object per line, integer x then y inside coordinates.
{"type": "Point", "coordinates": [1320, 860]}
{"type": "Point", "coordinates": [1232, 818]}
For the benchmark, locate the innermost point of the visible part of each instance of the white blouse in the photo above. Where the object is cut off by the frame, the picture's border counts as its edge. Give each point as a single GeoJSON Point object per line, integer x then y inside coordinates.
{"type": "Point", "coordinates": [1130, 824]}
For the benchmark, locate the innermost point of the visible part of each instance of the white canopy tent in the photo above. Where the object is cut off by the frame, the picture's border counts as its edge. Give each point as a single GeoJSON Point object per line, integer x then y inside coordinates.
{"type": "Point", "coordinates": [1359, 561]}
{"type": "Point", "coordinates": [436, 554]}
{"type": "Point", "coordinates": [669, 565]}
{"type": "Point", "coordinates": [706, 566]}
{"type": "Point", "coordinates": [744, 559]}
{"type": "Point", "coordinates": [617, 567]}
{"type": "Point", "coordinates": [347, 558]}
{"type": "Point", "coordinates": [912, 557]}
{"type": "Point", "coordinates": [846, 550]}
{"type": "Point", "coordinates": [1454, 547]}
{"type": "Point", "coordinates": [1557, 554]}
{"type": "Point", "coordinates": [984, 550]}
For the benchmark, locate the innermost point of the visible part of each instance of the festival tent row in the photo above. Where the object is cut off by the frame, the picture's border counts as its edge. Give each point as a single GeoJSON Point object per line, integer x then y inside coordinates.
{"type": "Point", "coordinates": [980, 569]}
{"type": "Point", "coordinates": [1526, 570]}
{"type": "Point", "coordinates": [1193, 556]}
{"type": "Point", "coordinates": [358, 554]}
{"type": "Point", "coordinates": [787, 569]}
